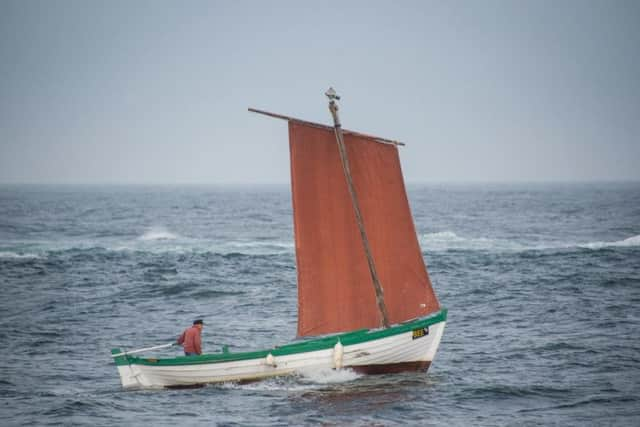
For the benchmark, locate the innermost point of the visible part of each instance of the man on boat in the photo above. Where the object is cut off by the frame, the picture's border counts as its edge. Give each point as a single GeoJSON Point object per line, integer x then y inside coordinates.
{"type": "Point", "coordinates": [190, 339]}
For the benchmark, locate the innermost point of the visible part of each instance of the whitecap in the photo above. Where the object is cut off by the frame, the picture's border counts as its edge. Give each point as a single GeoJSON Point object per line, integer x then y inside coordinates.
{"type": "Point", "coordinates": [448, 240]}
{"type": "Point", "coordinates": [629, 242]}
{"type": "Point", "coordinates": [16, 255]}
{"type": "Point", "coordinates": [158, 233]}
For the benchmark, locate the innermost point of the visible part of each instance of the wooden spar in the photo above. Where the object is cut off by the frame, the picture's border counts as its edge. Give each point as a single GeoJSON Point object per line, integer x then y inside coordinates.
{"type": "Point", "coordinates": [333, 107]}
{"type": "Point", "coordinates": [142, 350]}
{"type": "Point", "coordinates": [321, 126]}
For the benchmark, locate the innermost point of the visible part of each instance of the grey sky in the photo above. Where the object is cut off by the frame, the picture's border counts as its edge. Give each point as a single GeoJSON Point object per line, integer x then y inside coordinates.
{"type": "Point", "coordinates": [157, 92]}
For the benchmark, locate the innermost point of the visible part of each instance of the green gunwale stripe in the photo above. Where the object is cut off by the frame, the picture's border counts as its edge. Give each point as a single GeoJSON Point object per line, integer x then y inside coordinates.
{"type": "Point", "coordinates": [348, 338]}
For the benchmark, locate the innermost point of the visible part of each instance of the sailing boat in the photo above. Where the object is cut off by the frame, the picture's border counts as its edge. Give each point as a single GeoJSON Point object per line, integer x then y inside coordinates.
{"type": "Point", "coordinates": [365, 300]}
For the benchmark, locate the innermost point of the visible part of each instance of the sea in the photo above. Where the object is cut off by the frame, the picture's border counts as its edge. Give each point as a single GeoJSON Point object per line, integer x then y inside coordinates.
{"type": "Point", "coordinates": [541, 280]}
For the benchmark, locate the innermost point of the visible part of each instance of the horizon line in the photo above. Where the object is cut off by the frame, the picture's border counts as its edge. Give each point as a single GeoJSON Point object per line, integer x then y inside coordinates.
{"type": "Point", "coordinates": [287, 183]}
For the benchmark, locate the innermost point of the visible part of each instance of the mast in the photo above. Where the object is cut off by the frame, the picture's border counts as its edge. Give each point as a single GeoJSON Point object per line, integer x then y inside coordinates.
{"type": "Point", "coordinates": [333, 107]}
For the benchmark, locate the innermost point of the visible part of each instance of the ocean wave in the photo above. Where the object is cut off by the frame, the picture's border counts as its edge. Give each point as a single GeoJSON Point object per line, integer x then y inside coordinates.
{"type": "Point", "coordinates": [448, 240]}
{"type": "Point", "coordinates": [262, 247]}
{"type": "Point", "coordinates": [156, 242]}
{"type": "Point", "coordinates": [152, 244]}
{"type": "Point", "coordinates": [631, 241]}
{"type": "Point", "coordinates": [222, 248]}
{"type": "Point", "coordinates": [18, 255]}
{"type": "Point", "coordinates": [502, 391]}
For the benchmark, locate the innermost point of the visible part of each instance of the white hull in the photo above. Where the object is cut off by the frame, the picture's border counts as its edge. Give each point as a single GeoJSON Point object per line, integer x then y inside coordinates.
{"type": "Point", "coordinates": [388, 354]}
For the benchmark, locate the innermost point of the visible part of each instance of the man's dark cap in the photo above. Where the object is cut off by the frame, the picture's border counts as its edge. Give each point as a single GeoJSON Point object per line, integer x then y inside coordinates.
{"type": "Point", "coordinates": [198, 322]}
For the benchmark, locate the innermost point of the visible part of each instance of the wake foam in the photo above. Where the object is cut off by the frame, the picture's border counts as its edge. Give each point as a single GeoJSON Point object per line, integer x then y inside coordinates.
{"type": "Point", "coordinates": [328, 376]}
{"type": "Point", "coordinates": [304, 380]}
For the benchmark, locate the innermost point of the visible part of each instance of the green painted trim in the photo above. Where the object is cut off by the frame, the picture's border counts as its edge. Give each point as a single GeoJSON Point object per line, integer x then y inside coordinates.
{"type": "Point", "coordinates": [120, 360]}
{"type": "Point", "coordinates": [348, 338]}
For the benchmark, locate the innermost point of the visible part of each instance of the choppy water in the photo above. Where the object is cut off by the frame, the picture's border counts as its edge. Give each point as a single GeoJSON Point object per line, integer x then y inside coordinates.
{"type": "Point", "coordinates": [542, 283]}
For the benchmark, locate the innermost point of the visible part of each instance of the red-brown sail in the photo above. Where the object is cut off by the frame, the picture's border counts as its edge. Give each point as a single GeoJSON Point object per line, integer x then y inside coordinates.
{"type": "Point", "coordinates": [335, 291]}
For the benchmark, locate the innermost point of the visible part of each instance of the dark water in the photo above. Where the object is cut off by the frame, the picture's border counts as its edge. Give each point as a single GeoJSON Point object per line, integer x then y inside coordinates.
{"type": "Point", "coordinates": [542, 283]}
